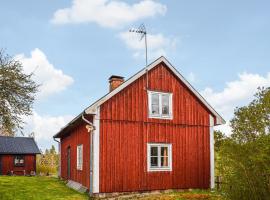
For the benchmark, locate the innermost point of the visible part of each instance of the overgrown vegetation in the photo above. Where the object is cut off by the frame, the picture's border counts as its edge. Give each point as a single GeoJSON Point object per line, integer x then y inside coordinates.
{"type": "Point", "coordinates": [17, 91]}
{"type": "Point", "coordinates": [33, 188]}
{"type": "Point", "coordinates": [48, 162]}
{"type": "Point", "coordinates": [243, 159]}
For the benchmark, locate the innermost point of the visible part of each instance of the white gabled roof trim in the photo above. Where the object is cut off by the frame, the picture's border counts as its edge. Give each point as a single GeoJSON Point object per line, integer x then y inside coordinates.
{"type": "Point", "coordinates": [92, 109]}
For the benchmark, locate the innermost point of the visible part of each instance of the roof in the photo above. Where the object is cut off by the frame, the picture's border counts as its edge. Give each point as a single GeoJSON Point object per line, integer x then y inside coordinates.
{"type": "Point", "coordinates": [18, 145]}
{"type": "Point", "coordinates": [93, 107]}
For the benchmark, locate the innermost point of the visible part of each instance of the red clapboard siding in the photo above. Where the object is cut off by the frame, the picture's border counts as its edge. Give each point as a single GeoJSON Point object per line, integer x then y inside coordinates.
{"type": "Point", "coordinates": [8, 164]}
{"type": "Point", "coordinates": [125, 130]}
{"type": "Point", "coordinates": [77, 136]}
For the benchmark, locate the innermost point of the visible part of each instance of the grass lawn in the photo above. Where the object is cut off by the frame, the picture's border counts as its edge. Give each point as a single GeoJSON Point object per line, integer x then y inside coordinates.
{"type": "Point", "coordinates": [28, 188]}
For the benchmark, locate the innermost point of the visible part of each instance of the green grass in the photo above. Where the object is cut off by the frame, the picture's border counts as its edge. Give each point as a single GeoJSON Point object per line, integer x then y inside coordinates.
{"type": "Point", "coordinates": [35, 188]}
{"type": "Point", "coordinates": [28, 188]}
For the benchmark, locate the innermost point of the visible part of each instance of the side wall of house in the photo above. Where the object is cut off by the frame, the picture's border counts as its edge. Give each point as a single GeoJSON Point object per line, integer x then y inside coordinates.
{"type": "Point", "coordinates": [77, 136]}
{"type": "Point", "coordinates": [7, 162]}
{"type": "Point", "coordinates": [125, 130]}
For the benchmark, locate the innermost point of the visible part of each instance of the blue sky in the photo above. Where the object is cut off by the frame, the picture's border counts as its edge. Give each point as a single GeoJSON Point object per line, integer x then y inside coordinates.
{"type": "Point", "coordinates": [221, 47]}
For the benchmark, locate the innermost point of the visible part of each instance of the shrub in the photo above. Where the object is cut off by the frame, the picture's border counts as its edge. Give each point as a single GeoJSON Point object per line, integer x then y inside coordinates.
{"type": "Point", "coordinates": [244, 157]}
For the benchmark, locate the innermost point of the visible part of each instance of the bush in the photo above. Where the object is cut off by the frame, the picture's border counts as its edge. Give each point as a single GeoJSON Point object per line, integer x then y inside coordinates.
{"type": "Point", "coordinates": [246, 169]}
{"type": "Point", "coordinates": [243, 159]}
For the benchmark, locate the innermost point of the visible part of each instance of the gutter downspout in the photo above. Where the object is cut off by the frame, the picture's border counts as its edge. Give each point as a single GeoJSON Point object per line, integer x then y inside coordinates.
{"type": "Point", "coordinates": [91, 152]}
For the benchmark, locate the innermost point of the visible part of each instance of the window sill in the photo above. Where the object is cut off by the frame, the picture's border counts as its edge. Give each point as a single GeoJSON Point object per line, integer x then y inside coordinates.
{"type": "Point", "coordinates": [160, 117]}
{"type": "Point", "coordinates": [159, 170]}
{"type": "Point", "coordinates": [18, 165]}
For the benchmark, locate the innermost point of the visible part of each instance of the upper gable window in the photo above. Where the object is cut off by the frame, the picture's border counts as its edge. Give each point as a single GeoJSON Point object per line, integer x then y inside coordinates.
{"type": "Point", "coordinates": [160, 105]}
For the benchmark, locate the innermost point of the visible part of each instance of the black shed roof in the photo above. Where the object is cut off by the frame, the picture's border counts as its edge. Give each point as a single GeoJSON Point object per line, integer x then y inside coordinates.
{"type": "Point", "coordinates": [18, 145]}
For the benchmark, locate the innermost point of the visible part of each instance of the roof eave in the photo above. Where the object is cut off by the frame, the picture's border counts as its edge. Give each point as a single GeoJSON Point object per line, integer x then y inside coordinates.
{"type": "Point", "coordinates": [70, 123]}
{"type": "Point", "coordinates": [18, 153]}
{"type": "Point", "coordinates": [74, 120]}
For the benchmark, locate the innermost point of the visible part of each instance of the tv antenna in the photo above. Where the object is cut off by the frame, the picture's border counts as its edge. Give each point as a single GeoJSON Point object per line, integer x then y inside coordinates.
{"type": "Point", "coordinates": [141, 30]}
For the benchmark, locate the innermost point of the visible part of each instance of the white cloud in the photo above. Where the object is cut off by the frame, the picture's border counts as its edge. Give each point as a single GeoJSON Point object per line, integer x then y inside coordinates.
{"type": "Point", "coordinates": [108, 13]}
{"type": "Point", "coordinates": [157, 44]}
{"type": "Point", "coordinates": [45, 126]}
{"type": "Point", "coordinates": [52, 80]}
{"type": "Point", "coordinates": [236, 94]}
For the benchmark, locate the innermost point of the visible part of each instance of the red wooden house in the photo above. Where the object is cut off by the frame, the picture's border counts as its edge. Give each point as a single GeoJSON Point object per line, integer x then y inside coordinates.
{"type": "Point", "coordinates": [153, 131]}
{"type": "Point", "coordinates": [17, 155]}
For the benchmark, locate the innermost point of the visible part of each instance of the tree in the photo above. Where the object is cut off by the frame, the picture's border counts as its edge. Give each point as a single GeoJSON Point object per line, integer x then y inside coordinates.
{"type": "Point", "coordinates": [219, 139]}
{"type": "Point", "coordinates": [48, 162]}
{"type": "Point", "coordinates": [52, 150]}
{"type": "Point", "coordinates": [17, 94]}
{"type": "Point", "coordinates": [253, 120]}
{"type": "Point", "coordinates": [244, 160]}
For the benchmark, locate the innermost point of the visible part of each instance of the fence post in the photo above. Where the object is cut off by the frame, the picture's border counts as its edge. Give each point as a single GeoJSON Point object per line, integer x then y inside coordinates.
{"type": "Point", "coordinates": [218, 182]}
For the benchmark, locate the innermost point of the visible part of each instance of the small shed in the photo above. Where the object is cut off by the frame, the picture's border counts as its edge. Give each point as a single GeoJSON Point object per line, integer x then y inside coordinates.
{"type": "Point", "coordinates": [18, 155]}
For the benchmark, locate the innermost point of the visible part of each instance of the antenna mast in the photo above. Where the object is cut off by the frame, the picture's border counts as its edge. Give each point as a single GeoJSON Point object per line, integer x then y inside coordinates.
{"type": "Point", "coordinates": [141, 30]}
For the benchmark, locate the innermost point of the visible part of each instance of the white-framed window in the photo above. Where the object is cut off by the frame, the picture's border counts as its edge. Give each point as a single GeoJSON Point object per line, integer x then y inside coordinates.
{"type": "Point", "coordinates": [80, 157]}
{"type": "Point", "coordinates": [160, 105]}
{"type": "Point", "coordinates": [159, 157]}
{"type": "Point", "coordinates": [19, 160]}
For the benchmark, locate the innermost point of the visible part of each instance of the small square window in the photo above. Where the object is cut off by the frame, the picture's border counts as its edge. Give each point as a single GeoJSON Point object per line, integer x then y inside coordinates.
{"type": "Point", "coordinates": [159, 157]}
{"type": "Point", "coordinates": [19, 160]}
{"type": "Point", "coordinates": [160, 105]}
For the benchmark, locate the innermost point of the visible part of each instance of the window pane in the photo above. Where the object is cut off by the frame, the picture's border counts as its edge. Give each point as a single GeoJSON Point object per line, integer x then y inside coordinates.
{"type": "Point", "coordinates": [155, 99]}
{"type": "Point", "coordinates": [164, 151]}
{"type": "Point", "coordinates": [165, 104]}
{"type": "Point", "coordinates": [155, 109]}
{"type": "Point", "coordinates": [164, 162]}
{"type": "Point", "coordinates": [154, 161]}
{"type": "Point", "coordinates": [154, 151]}
{"type": "Point", "coordinates": [155, 104]}
{"type": "Point", "coordinates": [79, 157]}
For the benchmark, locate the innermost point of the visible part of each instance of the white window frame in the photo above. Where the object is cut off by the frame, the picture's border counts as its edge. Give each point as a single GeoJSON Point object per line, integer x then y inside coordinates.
{"type": "Point", "coordinates": [79, 162]}
{"type": "Point", "coordinates": [159, 168]}
{"type": "Point", "coordinates": [160, 115]}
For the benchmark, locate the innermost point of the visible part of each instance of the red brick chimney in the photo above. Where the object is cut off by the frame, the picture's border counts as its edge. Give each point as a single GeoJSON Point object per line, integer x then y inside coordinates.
{"type": "Point", "coordinates": [115, 81]}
